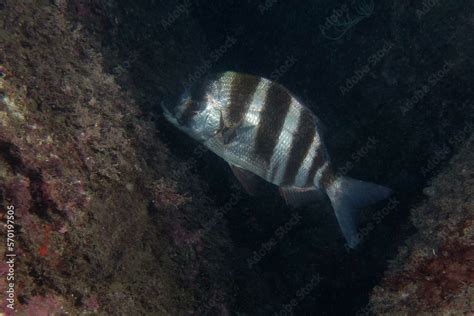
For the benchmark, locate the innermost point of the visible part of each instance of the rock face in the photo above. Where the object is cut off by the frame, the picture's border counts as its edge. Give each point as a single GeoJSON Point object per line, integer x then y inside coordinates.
{"type": "Point", "coordinates": [434, 272]}
{"type": "Point", "coordinates": [106, 218]}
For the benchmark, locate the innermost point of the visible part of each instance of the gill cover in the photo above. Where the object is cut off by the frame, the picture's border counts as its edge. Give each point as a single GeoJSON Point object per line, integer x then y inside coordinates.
{"type": "Point", "coordinates": [193, 115]}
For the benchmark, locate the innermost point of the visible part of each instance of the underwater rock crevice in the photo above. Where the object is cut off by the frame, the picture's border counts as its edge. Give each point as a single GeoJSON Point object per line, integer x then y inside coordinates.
{"type": "Point", "coordinates": [40, 202]}
{"type": "Point", "coordinates": [11, 155]}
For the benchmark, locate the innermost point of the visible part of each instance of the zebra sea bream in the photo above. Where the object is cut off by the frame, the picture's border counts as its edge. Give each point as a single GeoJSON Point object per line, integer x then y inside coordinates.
{"type": "Point", "coordinates": [262, 130]}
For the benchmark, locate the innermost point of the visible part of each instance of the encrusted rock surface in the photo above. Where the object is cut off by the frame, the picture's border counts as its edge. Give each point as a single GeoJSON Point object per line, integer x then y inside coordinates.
{"type": "Point", "coordinates": [433, 273]}
{"type": "Point", "coordinates": [105, 219]}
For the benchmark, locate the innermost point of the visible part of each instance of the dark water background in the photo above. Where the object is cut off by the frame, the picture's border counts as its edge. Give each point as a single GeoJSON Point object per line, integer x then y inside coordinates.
{"type": "Point", "coordinates": [397, 124]}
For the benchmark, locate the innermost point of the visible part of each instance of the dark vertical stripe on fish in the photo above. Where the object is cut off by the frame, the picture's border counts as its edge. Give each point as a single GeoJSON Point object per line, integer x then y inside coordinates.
{"type": "Point", "coordinates": [243, 88]}
{"type": "Point", "coordinates": [318, 161]}
{"type": "Point", "coordinates": [198, 96]}
{"type": "Point", "coordinates": [272, 118]}
{"type": "Point", "coordinates": [300, 145]}
{"type": "Point", "coordinates": [327, 177]}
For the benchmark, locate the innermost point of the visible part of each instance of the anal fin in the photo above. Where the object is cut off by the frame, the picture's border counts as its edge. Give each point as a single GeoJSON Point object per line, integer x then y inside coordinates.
{"type": "Point", "coordinates": [247, 179]}
{"type": "Point", "coordinates": [296, 197]}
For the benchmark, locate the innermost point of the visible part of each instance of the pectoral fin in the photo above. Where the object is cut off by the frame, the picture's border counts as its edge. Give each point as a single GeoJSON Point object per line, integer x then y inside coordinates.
{"type": "Point", "coordinates": [296, 197]}
{"type": "Point", "coordinates": [249, 180]}
{"type": "Point", "coordinates": [228, 134]}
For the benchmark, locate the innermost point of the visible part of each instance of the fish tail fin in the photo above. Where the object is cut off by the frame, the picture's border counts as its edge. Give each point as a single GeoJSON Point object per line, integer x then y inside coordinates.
{"type": "Point", "coordinates": [348, 196]}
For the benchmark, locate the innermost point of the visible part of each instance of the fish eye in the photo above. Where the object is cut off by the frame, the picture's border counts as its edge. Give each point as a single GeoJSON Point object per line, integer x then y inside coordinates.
{"type": "Point", "coordinates": [191, 108]}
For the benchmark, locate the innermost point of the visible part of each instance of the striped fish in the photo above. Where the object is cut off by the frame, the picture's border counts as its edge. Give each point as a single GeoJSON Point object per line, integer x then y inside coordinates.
{"type": "Point", "coordinates": [262, 130]}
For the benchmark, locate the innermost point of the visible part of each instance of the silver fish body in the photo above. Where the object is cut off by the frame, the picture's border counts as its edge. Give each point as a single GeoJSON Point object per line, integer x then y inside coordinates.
{"type": "Point", "coordinates": [267, 131]}
{"type": "Point", "coordinates": [260, 128]}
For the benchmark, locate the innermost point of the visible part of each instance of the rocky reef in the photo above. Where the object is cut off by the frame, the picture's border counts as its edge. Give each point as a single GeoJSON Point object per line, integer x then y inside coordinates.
{"type": "Point", "coordinates": [106, 219]}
